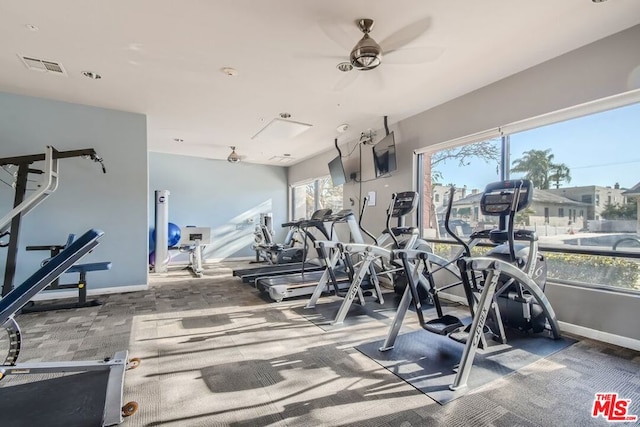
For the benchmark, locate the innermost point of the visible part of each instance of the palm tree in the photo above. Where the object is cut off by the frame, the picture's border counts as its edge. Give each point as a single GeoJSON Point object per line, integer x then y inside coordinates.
{"type": "Point", "coordinates": [560, 172]}
{"type": "Point", "coordinates": [536, 165]}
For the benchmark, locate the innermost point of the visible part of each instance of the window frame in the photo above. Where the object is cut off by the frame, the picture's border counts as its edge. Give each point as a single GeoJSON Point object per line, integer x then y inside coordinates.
{"type": "Point", "coordinates": [504, 132]}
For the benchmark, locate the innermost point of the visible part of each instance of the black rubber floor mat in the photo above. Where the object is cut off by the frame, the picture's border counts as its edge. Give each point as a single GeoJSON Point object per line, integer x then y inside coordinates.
{"type": "Point", "coordinates": [426, 360]}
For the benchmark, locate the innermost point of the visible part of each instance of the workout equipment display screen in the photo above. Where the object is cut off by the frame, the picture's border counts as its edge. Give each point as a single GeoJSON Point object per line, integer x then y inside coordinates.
{"type": "Point", "coordinates": [498, 197]}
{"type": "Point", "coordinates": [384, 155]}
{"type": "Point", "coordinates": [336, 170]}
{"type": "Point", "coordinates": [189, 236]}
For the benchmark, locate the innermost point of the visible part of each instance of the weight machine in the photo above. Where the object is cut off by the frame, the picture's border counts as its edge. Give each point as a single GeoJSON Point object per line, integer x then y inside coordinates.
{"type": "Point", "coordinates": [10, 223]}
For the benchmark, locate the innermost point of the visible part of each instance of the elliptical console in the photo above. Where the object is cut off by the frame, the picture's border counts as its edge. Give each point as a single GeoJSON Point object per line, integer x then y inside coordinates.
{"type": "Point", "coordinates": [499, 199]}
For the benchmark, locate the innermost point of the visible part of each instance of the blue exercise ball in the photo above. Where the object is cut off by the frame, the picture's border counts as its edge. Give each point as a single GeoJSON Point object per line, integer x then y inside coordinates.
{"type": "Point", "coordinates": [152, 258]}
{"type": "Point", "coordinates": [173, 236]}
{"type": "Point", "coordinates": [152, 240]}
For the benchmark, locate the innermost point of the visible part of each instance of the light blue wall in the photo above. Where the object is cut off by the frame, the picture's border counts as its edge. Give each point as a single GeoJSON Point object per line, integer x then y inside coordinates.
{"type": "Point", "coordinates": [227, 197]}
{"type": "Point", "coordinates": [85, 198]}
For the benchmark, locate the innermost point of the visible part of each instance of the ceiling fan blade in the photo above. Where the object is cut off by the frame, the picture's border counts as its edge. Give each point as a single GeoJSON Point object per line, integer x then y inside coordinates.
{"type": "Point", "coordinates": [414, 55]}
{"type": "Point", "coordinates": [311, 56]}
{"type": "Point", "coordinates": [335, 32]}
{"type": "Point", "coordinates": [347, 80]}
{"type": "Point", "coordinates": [405, 35]}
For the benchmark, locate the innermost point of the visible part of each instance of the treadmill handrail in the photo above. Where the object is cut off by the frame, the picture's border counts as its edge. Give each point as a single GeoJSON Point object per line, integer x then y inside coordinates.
{"type": "Point", "coordinates": [21, 295]}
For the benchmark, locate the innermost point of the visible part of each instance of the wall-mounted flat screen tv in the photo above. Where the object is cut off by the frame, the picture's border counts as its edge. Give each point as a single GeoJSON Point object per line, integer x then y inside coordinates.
{"type": "Point", "coordinates": [384, 155]}
{"type": "Point", "coordinates": [336, 170]}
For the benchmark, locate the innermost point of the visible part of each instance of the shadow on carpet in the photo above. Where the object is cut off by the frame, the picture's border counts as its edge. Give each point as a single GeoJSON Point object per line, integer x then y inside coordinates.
{"type": "Point", "coordinates": [425, 360]}
{"type": "Point", "coordinates": [323, 314]}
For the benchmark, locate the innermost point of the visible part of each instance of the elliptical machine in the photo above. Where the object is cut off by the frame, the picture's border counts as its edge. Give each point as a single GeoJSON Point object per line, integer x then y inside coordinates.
{"type": "Point", "coordinates": [505, 199]}
{"type": "Point", "coordinates": [505, 287]}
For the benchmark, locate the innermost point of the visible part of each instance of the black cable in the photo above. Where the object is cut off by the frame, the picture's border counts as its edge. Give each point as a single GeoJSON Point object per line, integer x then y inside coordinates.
{"type": "Point", "coordinates": [386, 128]}
{"type": "Point", "coordinates": [335, 141]}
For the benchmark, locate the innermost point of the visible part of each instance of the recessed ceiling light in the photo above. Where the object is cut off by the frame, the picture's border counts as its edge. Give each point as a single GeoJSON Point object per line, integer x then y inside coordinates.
{"type": "Point", "coordinates": [344, 66]}
{"type": "Point", "coordinates": [91, 75]}
{"type": "Point", "coordinates": [32, 27]}
{"type": "Point", "coordinates": [598, 1]}
{"type": "Point", "coordinates": [232, 72]}
{"type": "Point", "coordinates": [178, 139]}
{"type": "Point", "coordinates": [285, 115]}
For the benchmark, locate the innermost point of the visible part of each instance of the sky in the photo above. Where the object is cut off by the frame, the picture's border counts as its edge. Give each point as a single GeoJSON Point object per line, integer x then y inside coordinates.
{"type": "Point", "coordinates": [599, 149]}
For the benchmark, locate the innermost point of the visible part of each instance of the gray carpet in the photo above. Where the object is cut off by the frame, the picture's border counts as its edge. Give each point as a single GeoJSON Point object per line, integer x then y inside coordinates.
{"type": "Point", "coordinates": [215, 354]}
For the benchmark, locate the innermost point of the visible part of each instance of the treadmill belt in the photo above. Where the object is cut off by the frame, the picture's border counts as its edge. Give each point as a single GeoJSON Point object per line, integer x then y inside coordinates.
{"type": "Point", "coordinates": [75, 400]}
{"type": "Point", "coordinates": [250, 275]}
{"type": "Point", "coordinates": [312, 277]}
{"type": "Point", "coordinates": [242, 271]}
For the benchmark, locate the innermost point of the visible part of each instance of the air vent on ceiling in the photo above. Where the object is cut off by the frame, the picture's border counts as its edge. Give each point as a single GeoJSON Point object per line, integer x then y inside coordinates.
{"type": "Point", "coordinates": [281, 159]}
{"type": "Point", "coordinates": [43, 65]}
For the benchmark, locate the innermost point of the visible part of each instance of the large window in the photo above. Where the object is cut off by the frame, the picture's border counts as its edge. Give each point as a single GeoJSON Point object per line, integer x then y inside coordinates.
{"type": "Point", "coordinates": [466, 167]}
{"type": "Point", "coordinates": [586, 199]}
{"type": "Point", "coordinates": [313, 195]}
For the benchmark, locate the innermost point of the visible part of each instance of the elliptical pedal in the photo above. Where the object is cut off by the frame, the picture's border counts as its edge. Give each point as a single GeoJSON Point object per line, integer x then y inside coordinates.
{"type": "Point", "coordinates": [461, 335]}
{"type": "Point", "coordinates": [443, 325]}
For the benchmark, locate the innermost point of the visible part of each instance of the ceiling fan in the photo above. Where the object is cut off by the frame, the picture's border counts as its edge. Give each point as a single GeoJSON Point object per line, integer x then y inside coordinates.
{"type": "Point", "coordinates": [368, 54]}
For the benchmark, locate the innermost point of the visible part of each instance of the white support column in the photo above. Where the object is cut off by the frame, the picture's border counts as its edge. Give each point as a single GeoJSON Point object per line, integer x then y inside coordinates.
{"type": "Point", "coordinates": [162, 231]}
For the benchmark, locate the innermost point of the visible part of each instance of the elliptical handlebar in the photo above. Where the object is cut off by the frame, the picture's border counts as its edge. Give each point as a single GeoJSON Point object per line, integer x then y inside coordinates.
{"type": "Point", "coordinates": [512, 212]}
{"type": "Point", "coordinates": [389, 214]}
{"type": "Point", "coordinates": [365, 201]}
{"type": "Point", "coordinates": [447, 226]}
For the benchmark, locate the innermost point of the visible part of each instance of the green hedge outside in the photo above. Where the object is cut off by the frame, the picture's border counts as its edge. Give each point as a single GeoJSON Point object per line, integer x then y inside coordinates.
{"type": "Point", "coordinates": [600, 270]}
{"type": "Point", "coordinates": [590, 269]}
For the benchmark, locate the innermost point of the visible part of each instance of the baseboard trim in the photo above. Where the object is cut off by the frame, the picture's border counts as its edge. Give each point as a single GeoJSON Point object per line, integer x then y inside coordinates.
{"type": "Point", "coordinates": [73, 293]}
{"type": "Point", "coordinates": [570, 328]}
{"type": "Point", "coordinates": [607, 337]}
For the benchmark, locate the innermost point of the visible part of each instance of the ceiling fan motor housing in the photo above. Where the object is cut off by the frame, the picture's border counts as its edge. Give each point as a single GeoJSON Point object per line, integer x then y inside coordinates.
{"type": "Point", "coordinates": [367, 54]}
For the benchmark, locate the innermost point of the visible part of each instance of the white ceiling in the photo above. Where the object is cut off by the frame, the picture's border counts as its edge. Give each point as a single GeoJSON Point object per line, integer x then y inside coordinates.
{"type": "Point", "coordinates": [163, 58]}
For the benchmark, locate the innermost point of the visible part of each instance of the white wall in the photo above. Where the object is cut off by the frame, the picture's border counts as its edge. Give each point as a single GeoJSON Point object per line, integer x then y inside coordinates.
{"type": "Point", "coordinates": [114, 203]}
{"type": "Point", "coordinates": [227, 197]}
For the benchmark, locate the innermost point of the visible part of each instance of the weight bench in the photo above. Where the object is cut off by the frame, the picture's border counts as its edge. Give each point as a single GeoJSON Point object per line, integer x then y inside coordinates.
{"type": "Point", "coordinates": [81, 285]}
{"type": "Point", "coordinates": [15, 300]}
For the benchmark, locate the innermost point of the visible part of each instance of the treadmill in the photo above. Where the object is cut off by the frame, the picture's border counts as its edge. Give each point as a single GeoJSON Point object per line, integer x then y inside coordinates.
{"type": "Point", "coordinates": [317, 221]}
{"type": "Point", "coordinates": [337, 270]}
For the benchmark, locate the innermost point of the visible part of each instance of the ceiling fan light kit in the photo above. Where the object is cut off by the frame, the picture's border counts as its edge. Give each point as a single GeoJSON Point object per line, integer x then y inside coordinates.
{"type": "Point", "coordinates": [233, 157]}
{"type": "Point", "coordinates": [367, 54]}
